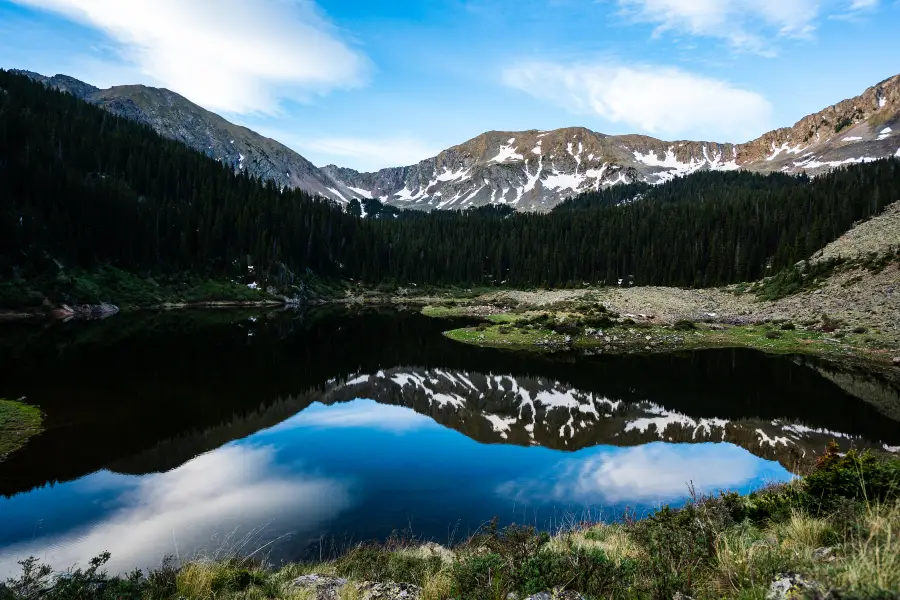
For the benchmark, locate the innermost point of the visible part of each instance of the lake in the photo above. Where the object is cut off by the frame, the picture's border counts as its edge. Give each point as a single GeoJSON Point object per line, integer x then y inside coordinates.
{"type": "Point", "coordinates": [296, 434]}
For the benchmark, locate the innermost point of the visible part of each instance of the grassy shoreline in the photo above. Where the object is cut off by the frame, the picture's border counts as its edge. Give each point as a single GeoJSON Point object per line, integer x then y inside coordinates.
{"type": "Point", "coordinates": [18, 423]}
{"type": "Point", "coordinates": [837, 530]}
{"type": "Point", "coordinates": [592, 329]}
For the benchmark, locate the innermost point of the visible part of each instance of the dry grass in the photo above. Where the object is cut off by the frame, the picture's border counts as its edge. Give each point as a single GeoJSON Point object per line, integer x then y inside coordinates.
{"type": "Point", "coordinates": [871, 558]}
{"type": "Point", "coordinates": [613, 539]}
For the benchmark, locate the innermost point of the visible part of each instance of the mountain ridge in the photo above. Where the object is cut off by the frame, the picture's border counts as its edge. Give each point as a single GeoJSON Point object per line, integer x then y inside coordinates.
{"type": "Point", "coordinates": [528, 170]}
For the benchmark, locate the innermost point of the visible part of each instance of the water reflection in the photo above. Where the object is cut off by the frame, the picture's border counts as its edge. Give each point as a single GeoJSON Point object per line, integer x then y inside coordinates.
{"type": "Point", "coordinates": [236, 498]}
{"type": "Point", "coordinates": [645, 475]}
{"type": "Point", "coordinates": [172, 434]}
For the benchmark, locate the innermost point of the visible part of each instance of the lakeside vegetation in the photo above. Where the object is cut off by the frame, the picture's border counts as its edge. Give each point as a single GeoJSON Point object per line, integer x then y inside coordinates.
{"type": "Point", "coordinates": [836, 531]}
{"type": "Point", "coordinates": [18, 423]}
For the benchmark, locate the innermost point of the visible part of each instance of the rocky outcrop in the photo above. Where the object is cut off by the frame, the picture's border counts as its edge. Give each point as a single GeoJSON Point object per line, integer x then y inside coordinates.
{"type": "Point", "coordinates": [328, 587]}
{"type": "Point", "coordinates": [85, 311]}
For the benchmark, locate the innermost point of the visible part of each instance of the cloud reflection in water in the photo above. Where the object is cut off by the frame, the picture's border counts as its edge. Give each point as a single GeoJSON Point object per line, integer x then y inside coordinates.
{"type": "Point", "coordinates": [197, 505]}
{"type": "Point", "coordinates": [651, 473]}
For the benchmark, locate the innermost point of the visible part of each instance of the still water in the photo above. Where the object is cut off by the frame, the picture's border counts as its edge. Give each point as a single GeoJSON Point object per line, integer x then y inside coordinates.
{"type": "Point", "coordinates": [294, 435]}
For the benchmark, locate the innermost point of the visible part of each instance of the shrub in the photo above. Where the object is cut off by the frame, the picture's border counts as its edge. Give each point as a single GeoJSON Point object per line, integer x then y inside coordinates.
{"type": "Point", "coordinates": [788, 327]}
{"type": "Point", "coordinates": [856, 476]}
{"type": "Point", "coordinates": [479, 577]}
{"type": "Point", "coordinates": [773, 335]}
{"type": "Point", "coordinates": [684, 325]}
{"type": "Point", "coordinates": [859, 330]}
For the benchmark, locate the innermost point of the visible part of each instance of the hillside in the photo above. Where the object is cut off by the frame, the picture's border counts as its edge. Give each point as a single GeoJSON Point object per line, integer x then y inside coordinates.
{"type": "Point", "coordinates": [528, 170]}
{"type": "Point", "coordinates": [175, 117]}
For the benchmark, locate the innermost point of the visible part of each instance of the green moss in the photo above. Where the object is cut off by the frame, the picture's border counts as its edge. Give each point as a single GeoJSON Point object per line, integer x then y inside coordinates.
{"type": "Point", "coordinates": [18, 423]}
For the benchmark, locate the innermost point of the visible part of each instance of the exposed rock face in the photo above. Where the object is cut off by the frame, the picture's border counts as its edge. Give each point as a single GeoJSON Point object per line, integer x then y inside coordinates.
{"type": "Point", "coordinates": [535, 170]}
{"type": "Point", "coordinates": [528, 170]}
{"type": "Point", "coordinates": [324, 587]}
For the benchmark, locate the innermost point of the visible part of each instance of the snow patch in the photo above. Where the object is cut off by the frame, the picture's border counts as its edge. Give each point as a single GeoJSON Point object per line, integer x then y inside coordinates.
{"type": "Point", "coordinates": [507, 152]}
{"type": "Point", "coordinates": [853, 138]}
{"type": "Point", "coordinates": [361, 192]}
{"type": "Point", "coordinates": [884, 133]}
{"type": "Point", "coordinates": [337, 193]}
{"type": "Point", "coordinates": [813, 163]}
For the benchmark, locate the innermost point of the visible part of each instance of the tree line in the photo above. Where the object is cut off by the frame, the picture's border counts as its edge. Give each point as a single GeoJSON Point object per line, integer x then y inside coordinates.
{"type": "Point", "coordinates": [81, 186]}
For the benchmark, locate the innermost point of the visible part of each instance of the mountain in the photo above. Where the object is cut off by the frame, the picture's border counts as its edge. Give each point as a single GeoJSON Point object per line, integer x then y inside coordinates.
{"type": "Point", "coordinates": [528, 170]}
{"type": "Point", "coordinates": [538, 169]}
{"type": "Point", "coordinates": [175, 117]}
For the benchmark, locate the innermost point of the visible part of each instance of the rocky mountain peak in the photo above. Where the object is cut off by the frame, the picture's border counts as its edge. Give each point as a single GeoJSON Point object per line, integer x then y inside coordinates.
{"type": "Point", "coordinates": [528, 170]}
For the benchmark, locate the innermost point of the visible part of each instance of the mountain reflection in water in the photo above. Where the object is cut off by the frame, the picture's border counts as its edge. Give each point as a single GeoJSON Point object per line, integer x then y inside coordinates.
{"type": "Point", "coordinates": [189, 432]}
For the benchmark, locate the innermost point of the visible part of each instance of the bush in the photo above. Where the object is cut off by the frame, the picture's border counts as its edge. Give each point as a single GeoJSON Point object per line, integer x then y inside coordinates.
{"type": "Point", "coordinates": [772, 335]}
{"type": "Point", "coordinates": [855, 476]}
{"type": "Point", "coordinates": [684, 325]}
{"type": "Point", "coordinates": [788, 327]}
{"type": "Point", "coordinates": [479, 577]}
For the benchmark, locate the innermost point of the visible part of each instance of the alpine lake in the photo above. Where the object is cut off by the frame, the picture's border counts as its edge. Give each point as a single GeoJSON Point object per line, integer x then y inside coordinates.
{"type": "Point", "coordinates": [293, 435]}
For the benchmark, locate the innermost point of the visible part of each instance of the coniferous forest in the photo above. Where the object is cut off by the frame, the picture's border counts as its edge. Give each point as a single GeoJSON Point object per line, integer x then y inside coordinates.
{"type": "Point", "coordinates": [82, 187]}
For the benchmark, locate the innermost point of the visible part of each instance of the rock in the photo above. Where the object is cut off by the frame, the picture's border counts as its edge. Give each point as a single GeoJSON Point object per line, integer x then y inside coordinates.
{"type": "Point", "coordinates": [792, 585]}
{"type": "Point", "coordinates": [825, 553]}
{"type": "Point", "coordinates": [388, 591]}
{"type": "Point", "coordinates": [324, 586]}
{"type": "Point", "coordinates": [556, 594]}
{"type": "Point", "coordinates": [680, 596]}
{"type": "Point", "coordinates": [896, 361]}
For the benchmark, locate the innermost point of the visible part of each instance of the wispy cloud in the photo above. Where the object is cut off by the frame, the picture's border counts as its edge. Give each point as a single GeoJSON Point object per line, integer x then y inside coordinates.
{"type": "Point", "coordinates": [238, 56]}
{"type": "Point", "coordinates": [748, 25]}
{"type": "Point", "coordinates": [656, 100]}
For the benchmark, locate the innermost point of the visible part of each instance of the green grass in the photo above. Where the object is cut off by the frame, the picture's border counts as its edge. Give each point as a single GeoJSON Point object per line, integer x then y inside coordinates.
{"type": "Point", "coordinates": [524, 332]}
{"type": "Point", "coordinates": [499, 336]}
{"type": "Point", "coordinates": [18, 423]}
{"type": "Point", "coordinates": [721, 546]}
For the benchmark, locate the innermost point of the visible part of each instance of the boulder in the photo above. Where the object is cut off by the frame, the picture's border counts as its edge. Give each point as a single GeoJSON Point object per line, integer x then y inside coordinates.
{"type": "Point", "coordinates": [793, 585]}
{"type": "Point", "coordinates": [556, 594]}
{"type": "Point", "coordinates": [896, 361]}
{"type": "Point", "coordinates": [325, 587]}
{"type": "Point", "coordinates": [389, 591]}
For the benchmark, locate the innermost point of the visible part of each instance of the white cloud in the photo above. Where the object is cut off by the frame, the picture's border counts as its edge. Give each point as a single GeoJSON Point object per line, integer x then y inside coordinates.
{"type": "Point", "coordinates": [660, 101]}
{"type": "Point", "coordinates": [748, 25]}
{"type": "Point", "coordinates": [367, 153]}
{"type": "Point", "coordinates": [232, 55]}
{"type": "Point", "coordinates": [234, 489]}
{"type": "Point", "coordinates": [646, 474]}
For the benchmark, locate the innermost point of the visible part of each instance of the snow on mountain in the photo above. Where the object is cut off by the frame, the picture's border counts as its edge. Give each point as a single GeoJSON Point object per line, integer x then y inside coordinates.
{"type": "Point", "coordinates": [527, 170]}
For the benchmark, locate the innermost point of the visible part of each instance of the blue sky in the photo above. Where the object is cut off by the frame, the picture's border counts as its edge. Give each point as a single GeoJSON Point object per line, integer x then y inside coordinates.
{"type": "Point", "coordinates": [372, 84]}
